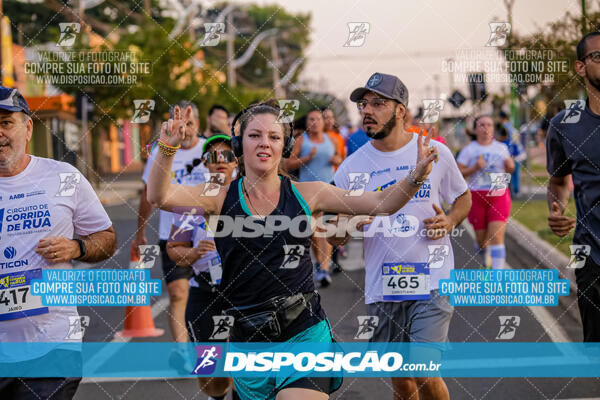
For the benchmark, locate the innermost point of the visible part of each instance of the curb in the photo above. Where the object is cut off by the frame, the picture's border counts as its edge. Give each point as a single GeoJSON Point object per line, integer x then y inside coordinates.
{"type": "Point", "coordinates": [547, 256]}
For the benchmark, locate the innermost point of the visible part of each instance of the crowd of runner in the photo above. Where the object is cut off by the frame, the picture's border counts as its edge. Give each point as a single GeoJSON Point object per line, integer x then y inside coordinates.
{"type": "Point", "coordinates": [246, 288]}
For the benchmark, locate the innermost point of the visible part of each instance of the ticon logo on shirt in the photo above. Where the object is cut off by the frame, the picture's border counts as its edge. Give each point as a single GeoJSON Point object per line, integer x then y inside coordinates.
{"type": "Point", "coordinates": [35, 216]}
{"type": "Point", "coordinates": [404, 224]}
{"type": "Point", "coordinates": [9, 253]}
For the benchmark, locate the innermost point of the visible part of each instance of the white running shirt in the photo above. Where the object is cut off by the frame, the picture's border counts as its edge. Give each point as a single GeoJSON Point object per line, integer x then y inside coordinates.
{"type": "Point", "coordinates": [48, 198]}
{"type": "Point", "coordinates": [397, 255]}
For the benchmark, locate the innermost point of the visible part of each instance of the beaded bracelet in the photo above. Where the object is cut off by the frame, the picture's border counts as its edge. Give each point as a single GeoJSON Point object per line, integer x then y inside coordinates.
{"type": "Point", "coordinates": [166, 149]}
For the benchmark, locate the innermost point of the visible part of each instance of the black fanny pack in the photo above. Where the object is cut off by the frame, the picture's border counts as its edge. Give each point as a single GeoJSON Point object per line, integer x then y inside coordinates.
{"type": "Point", "coordinates": [265, 321]}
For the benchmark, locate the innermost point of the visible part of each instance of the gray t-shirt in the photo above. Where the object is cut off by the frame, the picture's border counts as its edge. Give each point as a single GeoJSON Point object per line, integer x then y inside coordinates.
{"type": "Point", "coordinates": [573, 147]}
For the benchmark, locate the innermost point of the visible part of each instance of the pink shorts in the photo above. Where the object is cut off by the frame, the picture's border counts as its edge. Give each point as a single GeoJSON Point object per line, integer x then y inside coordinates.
{"type": "Point", "coordinates": [486, 208]}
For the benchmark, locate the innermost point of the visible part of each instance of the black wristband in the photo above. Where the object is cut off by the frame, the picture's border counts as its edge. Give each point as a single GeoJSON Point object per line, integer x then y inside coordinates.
{"type": "Point", "coordinates": [82, 249]}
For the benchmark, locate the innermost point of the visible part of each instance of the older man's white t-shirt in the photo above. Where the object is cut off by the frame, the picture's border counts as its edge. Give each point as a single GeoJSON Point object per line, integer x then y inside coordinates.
{"type": "Point", "coordinates": [48, 198]}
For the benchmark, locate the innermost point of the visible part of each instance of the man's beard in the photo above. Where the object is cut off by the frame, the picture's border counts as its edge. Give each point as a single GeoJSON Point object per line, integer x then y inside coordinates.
{"type": "Point", "coordinates": [595, 82]}
{"type": "Point", "coordinates": [187, 142]}
{"type": "Point", "coordinates": [385, 130]}
{"type": "Point", "coordinates": [213, 129]}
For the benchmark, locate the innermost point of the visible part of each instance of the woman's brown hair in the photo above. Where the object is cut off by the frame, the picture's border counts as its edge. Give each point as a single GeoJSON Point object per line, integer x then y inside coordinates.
{"type": "Point", "coordinates": [268, 107]}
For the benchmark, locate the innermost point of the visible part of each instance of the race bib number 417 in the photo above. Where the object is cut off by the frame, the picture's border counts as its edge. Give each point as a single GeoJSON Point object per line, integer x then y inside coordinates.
{"type": "Point", "coordinates": [405, 281]}
{"type": "Point", "coordinates": [16, 300]}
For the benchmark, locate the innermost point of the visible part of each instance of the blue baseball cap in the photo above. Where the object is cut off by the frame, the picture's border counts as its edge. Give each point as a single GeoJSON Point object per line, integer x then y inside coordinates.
{"type": "Point", "coordinates": [12, 100]}
{"type": "Point", "coordinates": [389, 86]}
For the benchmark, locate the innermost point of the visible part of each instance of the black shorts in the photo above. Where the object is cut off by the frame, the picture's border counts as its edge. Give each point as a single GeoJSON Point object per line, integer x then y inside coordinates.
{"type": "Point", "coordinates": [38, 388]}
{"type": "Point", "coordinates": [588, 299]}
{"type": "Point", "coordinates": [171, 271]}
{"type": "Point", "coordinates": [204, 303]}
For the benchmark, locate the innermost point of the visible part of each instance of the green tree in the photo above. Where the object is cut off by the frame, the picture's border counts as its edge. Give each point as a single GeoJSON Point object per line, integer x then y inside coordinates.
{"type": "Point", "coordinates": [561, 36]}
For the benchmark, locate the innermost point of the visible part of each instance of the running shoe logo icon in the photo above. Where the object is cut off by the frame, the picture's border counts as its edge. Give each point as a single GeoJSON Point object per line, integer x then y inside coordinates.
{"type": "Point", "coordinates": [77, 325]}
{"type": "Point", "coordinates": [222, 326]}
{"type": "Point", "coordinates": [287, 110]}
{"type": "Point", "coordinates": [500, 182]}
{"type": "Point", "coordinates": [68, 33]}
{"type": "Point", "coordinates": [207, 359]}
{"type": "Point", "coordinates": [357, 34]}
{"type": "Point", "coordinates": [148, 255]}
{"type": "Point", "coordinates": [142, 110]}
{"type": "Point", "coordinates": [573, 110]}
{"type": "Point", "coordinates": [68, 183]}
{"type": "Point", "coordinates": [579, 253]}
{"type": "Point", "coordinates": [186, 222]}
{"type": "Point", "coordinates": [358, 183]}
{"type": "Point", "coordinates": [431, 110]}
{"type": "Point", "coordinates": [437, 255]}
{"type": "Point", "coordinates": [499, 32]}
{"type": "Point", "coordinates": [212, 35]}
{"type": "Point", "coordinates": [366, 326]}
{"type": "Point", "coordinates": [508, 327]}
{"type": "Point", "coordinates": [214, 181]}
{"type": "Point", "coordinates": [292, 255]}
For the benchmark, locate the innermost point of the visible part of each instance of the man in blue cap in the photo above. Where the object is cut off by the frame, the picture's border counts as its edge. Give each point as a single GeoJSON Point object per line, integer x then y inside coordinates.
{"type": "Point", "coordinates": [43, 204]}
{"type": "Point", "coordinates": [401, 278]}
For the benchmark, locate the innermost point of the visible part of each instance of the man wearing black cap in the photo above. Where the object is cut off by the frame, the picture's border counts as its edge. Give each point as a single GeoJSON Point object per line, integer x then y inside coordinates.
{"type": "Point", "coordinates": [43, 204]}
{"type": "Point", "coordinates": [401, 279]}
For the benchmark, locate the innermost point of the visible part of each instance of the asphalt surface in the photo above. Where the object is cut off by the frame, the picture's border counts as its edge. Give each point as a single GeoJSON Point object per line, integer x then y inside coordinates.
{"type": "Point", "coordinates": [343, 302]}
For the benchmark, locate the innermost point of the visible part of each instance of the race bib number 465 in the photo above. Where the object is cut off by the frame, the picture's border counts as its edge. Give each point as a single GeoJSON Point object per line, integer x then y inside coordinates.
{"type": "Point", "coordinates": [16, 300]}
{"type": "Point", "coordinates": [405, 281]}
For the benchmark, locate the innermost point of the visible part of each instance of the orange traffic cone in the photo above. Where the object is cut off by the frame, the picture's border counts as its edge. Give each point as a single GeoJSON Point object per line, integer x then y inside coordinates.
{"type": "Point", "coordinates": [138, 319]}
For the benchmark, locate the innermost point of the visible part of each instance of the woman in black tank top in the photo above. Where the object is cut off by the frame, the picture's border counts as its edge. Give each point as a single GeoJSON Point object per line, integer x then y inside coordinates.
{"type": "Point", "coordinates": [263, 234]}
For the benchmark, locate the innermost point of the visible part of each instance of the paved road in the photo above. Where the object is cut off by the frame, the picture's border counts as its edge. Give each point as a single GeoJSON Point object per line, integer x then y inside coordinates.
{"type": "Point", "coordinates": [343, 302]}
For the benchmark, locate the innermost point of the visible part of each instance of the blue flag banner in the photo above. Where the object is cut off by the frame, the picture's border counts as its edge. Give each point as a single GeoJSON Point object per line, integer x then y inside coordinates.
{"type": "Point", "coordinates": [357, 359]}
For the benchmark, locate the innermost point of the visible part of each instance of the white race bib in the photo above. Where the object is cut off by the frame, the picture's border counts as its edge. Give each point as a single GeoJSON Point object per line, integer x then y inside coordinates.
{"type": "Point", "coordinates": [16, 300]}
{"type": "Point", "coordinates": [215, 270]}
{"type": "Point", "coordinates": [405, 281]}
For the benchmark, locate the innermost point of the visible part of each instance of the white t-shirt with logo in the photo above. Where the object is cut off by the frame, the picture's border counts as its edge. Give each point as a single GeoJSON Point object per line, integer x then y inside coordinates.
{"type": "Point", "coordinates": [494, 154]}
{"type": "Point", "coordinates": [48, 198]}
{"type": "Point", "coordinates": [401, 263]}
{"type": "Point", "coordinates": [183, 173]}
{"type": "Point", "coordinates": [194, 228]}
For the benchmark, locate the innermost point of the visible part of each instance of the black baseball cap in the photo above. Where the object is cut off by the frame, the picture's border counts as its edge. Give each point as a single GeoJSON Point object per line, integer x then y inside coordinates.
{"type": "Point", "coordinates": [388, 86]}
{"type": "Point", "coordinates": [12, 100]}
{"type": "Point", "coordinates": [215, 139]}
